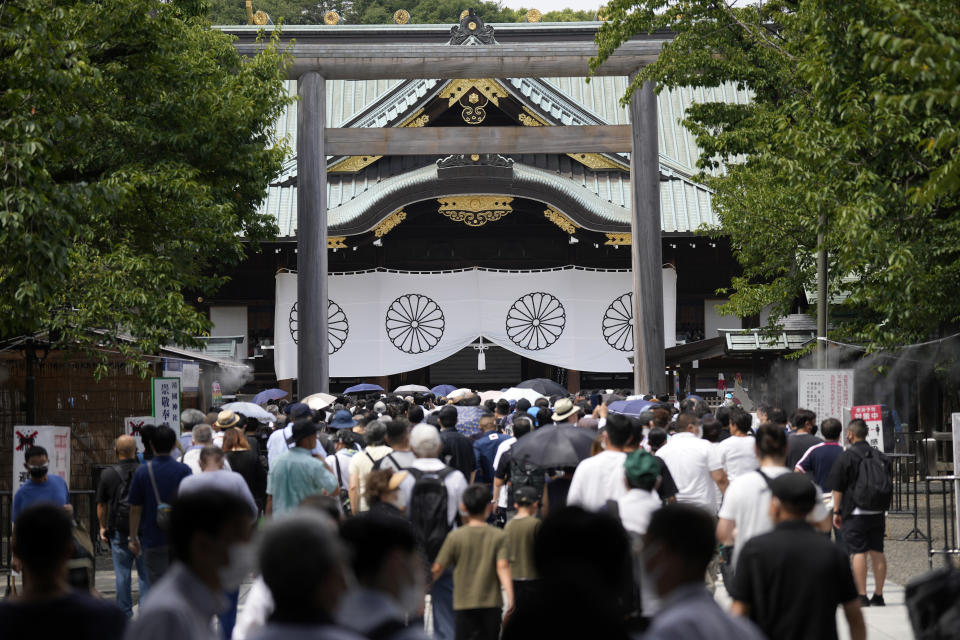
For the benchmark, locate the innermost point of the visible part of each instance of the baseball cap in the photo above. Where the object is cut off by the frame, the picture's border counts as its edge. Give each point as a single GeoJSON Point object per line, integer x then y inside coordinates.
{"type": "Point", "coordinates": [641, 468]}
{"type": "Point", "coordinates": [526, 495]}
{"type": "Point", "coordinates": [795, 491]}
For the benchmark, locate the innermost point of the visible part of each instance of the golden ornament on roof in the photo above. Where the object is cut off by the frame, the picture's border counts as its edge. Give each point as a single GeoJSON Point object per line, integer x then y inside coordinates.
{"type": "Point", "coordinates": [464, 13]}
{"type": "Point", "coordinates": [401, 16]}
{"type": "Point", "coordinates": [261, 18]}
{"type": "Point", "coordinates": [331, 17]}
{"type": "Point", "coordinates": [534, 16]}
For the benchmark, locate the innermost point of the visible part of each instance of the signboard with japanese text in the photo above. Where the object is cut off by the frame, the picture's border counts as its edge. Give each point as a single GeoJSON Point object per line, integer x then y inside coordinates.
{"type": "Point", "coordinates": [188, 373]}
{"type": "Point", "coordinates": [132, 426]}
{"type": "Point", "coordinates": [826, 392]}
{"type": "Point", "coordinates": [166, 402]}
{"type": "Point", "coordinates": [872, 414]}
{"type": "Point", "coordinates": [56, 440]}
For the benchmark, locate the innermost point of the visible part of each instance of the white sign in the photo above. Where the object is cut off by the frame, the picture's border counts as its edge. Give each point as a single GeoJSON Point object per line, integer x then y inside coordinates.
{"type": "Point", "coordinates": [56, 440]}
{"type": "Point", "coordinates": [166, 402]}
{"type": "Point", "coordinates": [826, 392]}
{"type": "Point", "coordinates": [188, 372]}
{"type": "Point", "coordinates": [132, 426]}
{"type": "Point", "coordinates": [872, 414]}
{"type": "Point", "coordinates": [382, 323]}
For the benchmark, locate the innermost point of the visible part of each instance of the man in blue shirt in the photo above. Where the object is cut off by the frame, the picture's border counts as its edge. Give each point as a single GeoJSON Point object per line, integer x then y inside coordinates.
{"type": "Point", "coordinates": [155, 482]}
{"type": "Point", "coordinates": [41, 487]}
{"type": "Point", "coordinates": [485, 447]}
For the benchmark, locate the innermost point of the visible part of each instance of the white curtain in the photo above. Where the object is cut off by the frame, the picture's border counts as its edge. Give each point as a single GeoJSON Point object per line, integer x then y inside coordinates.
{"type": "Point", "coordinates": [386, 322]}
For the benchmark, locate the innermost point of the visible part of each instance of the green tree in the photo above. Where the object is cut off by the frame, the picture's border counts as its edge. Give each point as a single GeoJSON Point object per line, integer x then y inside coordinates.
{"type": "Point", "coordinates": [137, 145]}
{"type": "Point", "coordinates": [819, 147]}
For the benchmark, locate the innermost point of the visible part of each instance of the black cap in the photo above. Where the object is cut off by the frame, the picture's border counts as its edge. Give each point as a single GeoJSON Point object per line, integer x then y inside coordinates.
{"type": "Point", "coordinates": [795, 491]}
{"type": "Point", "coordinates": [526, 495]}
{"type": "Point", "coordinates": [301, 429]}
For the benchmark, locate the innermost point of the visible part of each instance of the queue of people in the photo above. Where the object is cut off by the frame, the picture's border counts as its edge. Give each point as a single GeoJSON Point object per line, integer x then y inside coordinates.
{"type": "Point", "coordinates": [348, 518]}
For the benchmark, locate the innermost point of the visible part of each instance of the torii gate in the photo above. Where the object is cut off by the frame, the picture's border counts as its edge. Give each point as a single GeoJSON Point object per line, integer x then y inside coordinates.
{"type": "Point", "coordinates": [368, 52]}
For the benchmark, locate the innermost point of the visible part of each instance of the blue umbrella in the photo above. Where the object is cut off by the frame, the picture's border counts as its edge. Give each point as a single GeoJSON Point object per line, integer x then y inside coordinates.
{"type": "Point", "coordinates": [268, 395]}
{"type": "Point", "coordinates": [363, 386]}
{"type": "Point", "coordinates": [442, 389]}
{"type": "Point", "coordinates": [630, 407]}
{"type": "Point", "coordinates": [468, 420]}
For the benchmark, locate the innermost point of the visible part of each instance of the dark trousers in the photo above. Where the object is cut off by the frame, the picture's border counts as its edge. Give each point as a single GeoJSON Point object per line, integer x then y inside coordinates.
{"type": "Point", "coordinates": [523, 592]}
{"type": "Point", "coordinates": [477, 624]}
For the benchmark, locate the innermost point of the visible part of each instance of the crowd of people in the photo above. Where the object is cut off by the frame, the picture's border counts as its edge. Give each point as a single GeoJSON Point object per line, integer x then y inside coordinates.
{"type": "Point", "coordinates": [382, 519]}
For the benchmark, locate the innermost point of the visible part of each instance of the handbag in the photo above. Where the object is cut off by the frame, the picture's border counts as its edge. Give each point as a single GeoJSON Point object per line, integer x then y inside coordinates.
{"type": "Point", "coordinates": [164, 510]}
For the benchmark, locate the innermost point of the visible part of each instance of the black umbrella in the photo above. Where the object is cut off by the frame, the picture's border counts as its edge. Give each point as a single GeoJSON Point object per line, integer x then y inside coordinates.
{"type": "Point", "coordinates": [544, 387]}
{"type": "Point", "coordinates": [554, 446]}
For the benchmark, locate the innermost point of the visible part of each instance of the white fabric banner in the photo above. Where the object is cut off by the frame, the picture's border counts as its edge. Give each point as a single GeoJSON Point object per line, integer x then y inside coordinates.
{"type": "Point", "coordinates": [386, 322]}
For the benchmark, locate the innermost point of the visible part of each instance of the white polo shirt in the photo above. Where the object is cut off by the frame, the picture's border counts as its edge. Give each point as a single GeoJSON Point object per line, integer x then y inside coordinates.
{"type": "Point", "coordinates": [690, 460]}
{"type": "Point", "coordinates": [738, 455]}
{"type": "Point", "coordinates": [597, 480]}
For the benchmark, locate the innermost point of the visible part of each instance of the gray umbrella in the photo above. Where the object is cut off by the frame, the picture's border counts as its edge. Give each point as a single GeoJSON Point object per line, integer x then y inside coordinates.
{"type": "Point", "coordinates": [554, 446]}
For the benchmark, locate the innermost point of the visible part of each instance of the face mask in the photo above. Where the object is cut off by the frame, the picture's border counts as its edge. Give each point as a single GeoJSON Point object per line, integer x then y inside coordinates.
{"type": "Point", "coordinates": [241, 562]}
{"type": "Point", "coordinates": [38, 472]}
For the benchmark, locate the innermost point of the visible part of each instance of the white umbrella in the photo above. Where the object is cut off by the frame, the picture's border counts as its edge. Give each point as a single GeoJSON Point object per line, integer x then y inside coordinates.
{"type": "Point", "coordinates": [319, 401]}
{"type": "Point", "coordinates": [459, 394]}
{"type": "Point", "coordinates": [490, 395]}
{"type": "Point", "coordinates": [515, 393]}
{"type": "Point", "coordinates": [249, 410]}
{"type": "Point", "coordinates": [412, 388]}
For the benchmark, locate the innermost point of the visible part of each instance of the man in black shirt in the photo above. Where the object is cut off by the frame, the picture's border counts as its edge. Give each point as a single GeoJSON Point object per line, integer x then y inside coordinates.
{"type": "Point", "coordinates": [790, 581]}
{"type": "Point", "coordinates": [802, 437]}
{"type": "Point", "coordinates": [113, 512]}
{"type": "Point", "coordinates": [861, 525]}
{"type": "Point", "coordinates": [48, 607]}
{"type": "Point", "coordinates": [457, 449]}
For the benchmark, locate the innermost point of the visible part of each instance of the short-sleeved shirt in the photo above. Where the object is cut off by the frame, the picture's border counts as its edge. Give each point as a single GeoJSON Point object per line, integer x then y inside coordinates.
{"type": "Point", "coordinates": [818, 461]}
{"type": "Point", "coordinates": [794, 580]}
{"type": "Point", "coordinates": [295, 475]}
{"type": "Point", "coordinates": [340, 463]}
{"type": "Point", "coordinates": [747, 503]}
{"type": "Point", "coordinates": [797, 445]}
{"type": "Point", "coordinates": [168, 474]}
{"type": "Point", "coordinates": [596, 480]}
{"type": "Point", "coordinates": [455, 483]}
{"type": "Point", "coordinates": [76, 615]}
{"type": "Point", "coordinates": [362, 464]}
{"type": "Point", "coordinates": [520, 534]}
{"type": "Point", "coordinates": [457, 452]}
{"type": "Point", "coordinates": [484, 451]}
{"type": "Point", "coordinates": [111, 481]}
{"type": "Point", "coordinates": [397, 460]}
{"type": "Point", "coordinates": [843, 475]}
{"type": "Point", "coordinates": [668, 488]}
{"type": "Point", "coordinates": [473, 553]}
{"type": "Point", "coordinates": [691, 460]}
{"type": "Point", "coordinates": [53, 491]}
{"type": "Point", "coordinates": [738, 454]}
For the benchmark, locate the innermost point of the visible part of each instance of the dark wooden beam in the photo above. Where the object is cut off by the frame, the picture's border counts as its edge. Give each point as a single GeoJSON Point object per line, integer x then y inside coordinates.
{"type": "Point", "coordinates": [375, 60]}
{"type": "Point", "coordinates": [313, 360]}
{"type": "Point", "coordinates": [430, 141]}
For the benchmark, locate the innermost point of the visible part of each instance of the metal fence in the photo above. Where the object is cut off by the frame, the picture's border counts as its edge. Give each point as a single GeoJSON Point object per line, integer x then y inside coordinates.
{"type": "Point", "coordinates": [941, 493]}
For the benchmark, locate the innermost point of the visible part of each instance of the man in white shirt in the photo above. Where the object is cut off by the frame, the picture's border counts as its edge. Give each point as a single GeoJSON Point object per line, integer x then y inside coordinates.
{"type": "Point", "coordinates": [694, 464]}
{"type": "Point", "coordinates": [746, 506]}
{"type": "Point", "coordinates": [202, 437]}
{"type": "Point", "coordinates": [600, 478]}
{"type": "Point", "coordinates": [362, 464]}
{"type": "Point", "coordinates": [278, 442]}
{"type": "Point", "coordinates": [738, 452]}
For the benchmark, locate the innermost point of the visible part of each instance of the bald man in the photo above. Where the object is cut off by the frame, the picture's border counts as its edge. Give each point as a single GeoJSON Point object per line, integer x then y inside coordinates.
{"type": "Point", "coordinates": [113, 512]}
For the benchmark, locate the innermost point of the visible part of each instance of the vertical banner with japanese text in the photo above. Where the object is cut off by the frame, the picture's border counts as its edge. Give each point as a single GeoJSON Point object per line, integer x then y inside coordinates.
{"type": "Point", "coordinates": [826, 392]}
{"type": "Point", "coordinates": [166, 402]}
{"type": "Point", "coordinates": [56, 440]}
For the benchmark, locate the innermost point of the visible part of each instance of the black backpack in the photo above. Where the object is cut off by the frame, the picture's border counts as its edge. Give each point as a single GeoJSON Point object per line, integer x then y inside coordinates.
{"type": "Point", "coordinates": [428, 509]}
{"type": "Point", "coordinates": [379, 463]}
{"type": "Point", "coordinates": [523, 474]}
{"type": "Point", "coordinates": [873, 487]}
{"type": "Point", "coordinates": [118, 518]}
